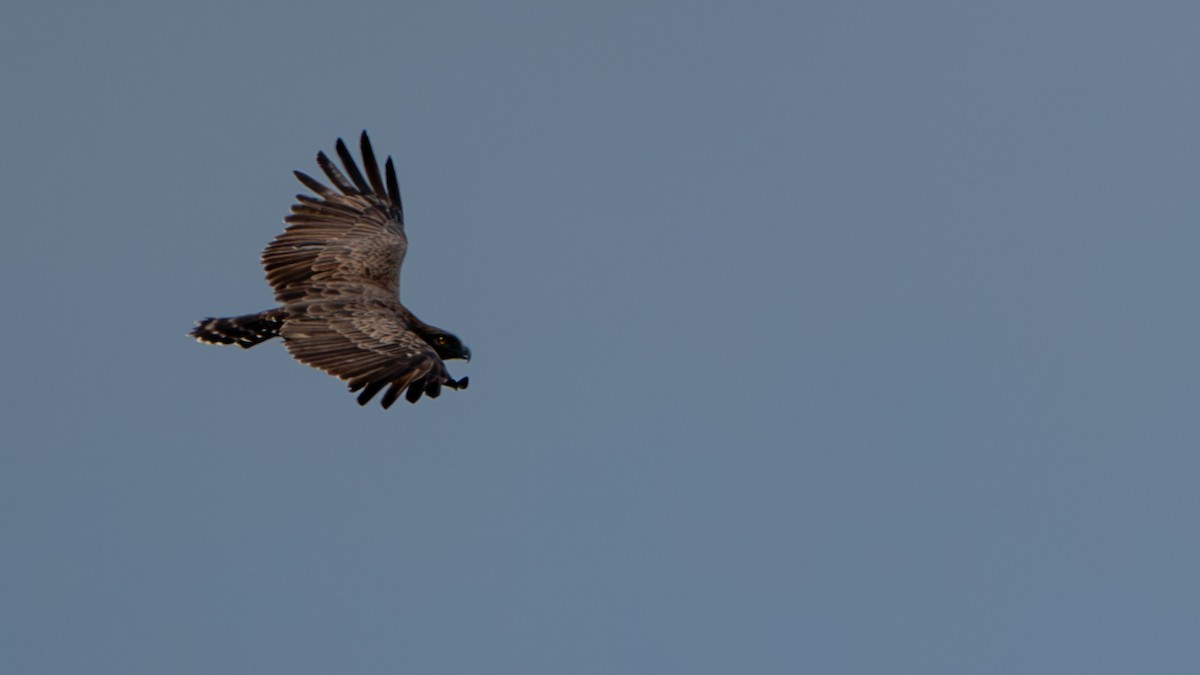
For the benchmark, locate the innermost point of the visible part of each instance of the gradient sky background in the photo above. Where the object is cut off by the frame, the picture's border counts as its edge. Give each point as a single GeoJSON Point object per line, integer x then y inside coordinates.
{"type": "Point", "coordinates": [833, 337]}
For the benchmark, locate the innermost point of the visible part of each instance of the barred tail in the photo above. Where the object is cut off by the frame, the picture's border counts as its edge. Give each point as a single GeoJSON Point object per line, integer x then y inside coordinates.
{"type": "Point", "coordinates": [246, 331]}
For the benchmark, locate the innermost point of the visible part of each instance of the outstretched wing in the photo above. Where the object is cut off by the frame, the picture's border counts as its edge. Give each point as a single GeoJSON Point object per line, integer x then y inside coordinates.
{"type": "Point", "coordinates": [336, 269]}
{"type": "Point", "coordinates": [354, 234]}
{"type": "Point", "coordinates": [365, 341]}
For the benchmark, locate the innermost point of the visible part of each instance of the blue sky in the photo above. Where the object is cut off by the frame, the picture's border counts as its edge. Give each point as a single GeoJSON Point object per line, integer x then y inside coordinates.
{"type": "Point", "coordinates": [808, 337]}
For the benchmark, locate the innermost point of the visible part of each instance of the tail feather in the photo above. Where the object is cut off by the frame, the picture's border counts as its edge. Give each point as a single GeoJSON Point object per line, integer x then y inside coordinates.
{"type": "Point", "coordinates": [244, 331]}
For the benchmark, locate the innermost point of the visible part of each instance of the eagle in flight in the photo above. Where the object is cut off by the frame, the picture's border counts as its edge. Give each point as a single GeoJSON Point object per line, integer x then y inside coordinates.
{"type": "Point", "coordinates": [335, 271]}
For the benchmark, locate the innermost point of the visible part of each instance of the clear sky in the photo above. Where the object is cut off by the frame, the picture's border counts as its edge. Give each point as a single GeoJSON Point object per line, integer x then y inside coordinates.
{"type": "Point", "coordinates": [827, 337]}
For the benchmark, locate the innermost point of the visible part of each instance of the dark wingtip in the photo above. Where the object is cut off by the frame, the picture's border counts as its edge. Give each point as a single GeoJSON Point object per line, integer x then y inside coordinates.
{"type": "Point", "coordinates": [335, 175]}
{"type": "Point", "coordinates": [390, 396]}
{"type": "Point", "coordinates": [369, 392]}
{"type": "Point", "coordinates": [352, 168]}
{"type": "Point", "coordinates": [371, 166]}
{"type": "Point", "coordinates": [311, 183]}
{"type": "Point", "coordinates": [393, 188]}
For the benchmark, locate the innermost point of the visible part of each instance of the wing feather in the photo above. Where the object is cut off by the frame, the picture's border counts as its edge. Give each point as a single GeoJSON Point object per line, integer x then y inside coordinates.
{"type": "Point", "coordinates": [312, 184]}
{"type": "Point", "coordinates": [393, 186]}
{"type": "Point", "coordinates": [335, 175]}
{"type": "Point", "coordinates": [352, 234]}
{"type": "Point", "coordinates": [351, 167]}
{"type": "Point", "coordinates": [371, 166]}
{"type": "Point", "coordinates": [367, 344]}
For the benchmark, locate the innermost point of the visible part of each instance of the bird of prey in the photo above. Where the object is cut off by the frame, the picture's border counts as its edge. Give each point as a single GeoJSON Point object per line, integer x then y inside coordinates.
{"type": "Point", "coordinates": [335, 271]}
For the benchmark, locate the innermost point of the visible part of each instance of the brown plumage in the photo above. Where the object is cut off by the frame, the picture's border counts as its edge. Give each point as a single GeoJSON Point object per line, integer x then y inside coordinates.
{"type": "Point", "coordinates": [335, 270]}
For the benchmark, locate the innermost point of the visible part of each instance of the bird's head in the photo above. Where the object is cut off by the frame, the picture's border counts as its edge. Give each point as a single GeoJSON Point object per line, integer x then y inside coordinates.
{"type": "Point", "coordinates": [447, 345]}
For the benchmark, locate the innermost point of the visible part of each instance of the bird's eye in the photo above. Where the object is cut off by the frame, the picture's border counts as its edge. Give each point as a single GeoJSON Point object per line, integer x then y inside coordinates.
{"type": "Point", "coordinates": [441, 340]}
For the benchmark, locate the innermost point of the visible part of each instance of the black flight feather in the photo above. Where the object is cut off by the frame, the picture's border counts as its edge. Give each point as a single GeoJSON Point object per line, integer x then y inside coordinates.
{"type": "Point", "coordinates": [393, 186]}
{"type": "Point", "coordinates": [352, 168]}
{"type": "Point", "coordinates": [335, 176]}
{"type": "Point", "coordinates": [371, 166]}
